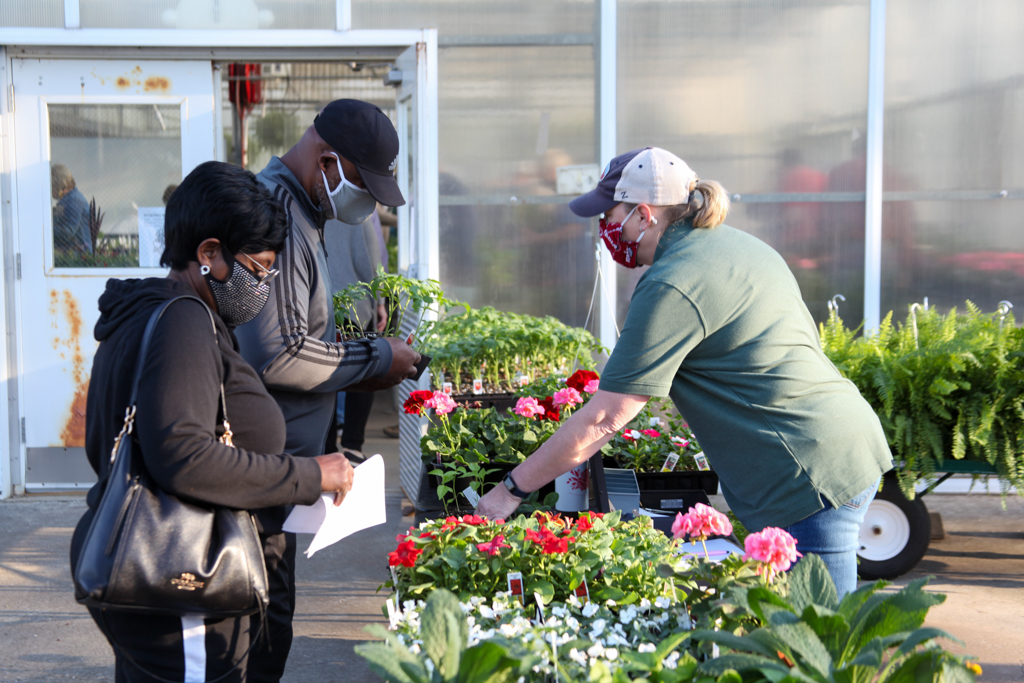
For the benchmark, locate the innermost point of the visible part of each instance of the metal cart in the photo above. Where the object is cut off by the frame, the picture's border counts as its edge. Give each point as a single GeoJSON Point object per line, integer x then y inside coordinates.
{"type": "Point", "coordinates": [895, 533]}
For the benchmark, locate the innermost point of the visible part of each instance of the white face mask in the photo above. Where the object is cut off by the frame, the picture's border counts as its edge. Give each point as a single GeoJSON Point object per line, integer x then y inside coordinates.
{"type": "Point", "coordinates": [354, 204]}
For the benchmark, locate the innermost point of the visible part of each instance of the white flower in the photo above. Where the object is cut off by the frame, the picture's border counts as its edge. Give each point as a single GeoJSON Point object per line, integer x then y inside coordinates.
{"type": "Point", "coordinates": [671, 661]}
{"type": "Point", "coordinates": [645, 604]}
{"type": "Point", "coordinates": [611, 654]}
{"type": "Point", "coordinates": [572, 623]}
{"type": "Point", "coordinates": [414, 648]}
{"type": "Point", "coordinates": [597, 628]}
{"type": "Point", "coordinates": [610, 603]}
{"type": "Point", "coordinates": [590, 609]}
{"type": "Point", "coordinates": [508, 630]}
{"type": "Point", "coordinates": [486, 612]}
{"type": "Point", "coordinates": [628, 614]}
{"type": "Point", "coordinates": [409, 605]}
{"type": "Point", "coordinates": [574, 601]}
{"type": "Point", "coordinates": [646, 647]}
{"type": "Point", "coordinates": [578, 657]}
{"type": "Point", "coordinates": [467, 607]}
{"type": "Point", "coordinates": [596, 650]}
{"type": "Point", "coordinates": [559, 611]}
{"type": "Point", "coordinates": [662, 602]}
{"type": "Point", "coordinates": [430, 665]}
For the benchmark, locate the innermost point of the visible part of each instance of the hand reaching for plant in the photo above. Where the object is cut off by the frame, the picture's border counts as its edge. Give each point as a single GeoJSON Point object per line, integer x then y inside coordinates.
{"type": "Point", "coordinates": [498, 503]}
{"type": "Point", "coordinates": [336, 474]}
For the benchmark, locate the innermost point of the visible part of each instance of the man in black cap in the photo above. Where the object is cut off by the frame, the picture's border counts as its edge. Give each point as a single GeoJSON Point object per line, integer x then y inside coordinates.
{"type": "Point", "coordinates": [343, 165]}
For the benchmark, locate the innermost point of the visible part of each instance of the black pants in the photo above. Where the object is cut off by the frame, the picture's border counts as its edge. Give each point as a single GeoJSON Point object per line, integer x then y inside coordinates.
{"type": "Point", "coordinates": [269, 656]}
{"type": "Point", "coordinates": [357, 411]}
{"type": "Point", "coordinates": [175, 649]}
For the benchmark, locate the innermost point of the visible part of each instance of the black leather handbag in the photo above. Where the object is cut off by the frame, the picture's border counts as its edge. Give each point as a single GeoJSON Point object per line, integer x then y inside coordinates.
{"type": "Point", "coordinates": [148, 551]}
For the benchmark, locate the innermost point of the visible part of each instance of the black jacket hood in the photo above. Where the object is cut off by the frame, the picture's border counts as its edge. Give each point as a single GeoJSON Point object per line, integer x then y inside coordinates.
{"type": "Point", "coordinates": [123, 299]}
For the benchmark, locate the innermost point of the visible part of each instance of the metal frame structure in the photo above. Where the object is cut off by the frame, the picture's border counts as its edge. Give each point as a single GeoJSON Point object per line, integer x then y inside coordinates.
{"type": "Point", "coordinates": [178, 44]}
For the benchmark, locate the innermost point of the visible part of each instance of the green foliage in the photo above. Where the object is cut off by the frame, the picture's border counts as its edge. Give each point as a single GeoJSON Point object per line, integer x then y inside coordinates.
{"type": "Point", "coordinates": [945, 387]}
{"type": "Point", "coordinates": [445, 633]}
{"type": "Point", "coordinates": [411, 300]}
{"type": "Point", "coordinates": [811, 635]}
{"type": "Point", "coordinates": [499, 347]}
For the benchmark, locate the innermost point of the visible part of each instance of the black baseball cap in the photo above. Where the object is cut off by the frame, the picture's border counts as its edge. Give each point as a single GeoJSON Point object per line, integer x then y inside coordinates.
{"type": "Point", "coordinates": [363, 134]}
{"type": "Point", "coordinates": [602, 197]}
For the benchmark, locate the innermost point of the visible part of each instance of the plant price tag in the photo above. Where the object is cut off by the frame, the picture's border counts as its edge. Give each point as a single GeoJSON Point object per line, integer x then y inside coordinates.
{"type": "Point", "coordinates": [670, 462]}
{"type": "Point", "coordinates": [522, 380]}
{"type": "Point", "coordinates": [472, 496]}
{"type": "Point", "coordinates": [478, 385]}
{"type": "Point", "coordinates": [582, 591]}
{"type": "Point", "coordinates": [515, 586]}
{"type": "Point", "coordinates": [392, 613]}
{"type": "Point", "coordinates": [447, 388]}
{"type": "Point", "coordinates": [702, 461]}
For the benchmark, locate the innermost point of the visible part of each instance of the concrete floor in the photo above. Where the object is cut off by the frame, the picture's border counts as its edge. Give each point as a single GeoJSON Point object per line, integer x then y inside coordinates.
{"type": "Point", "coordinates": [46, 636]}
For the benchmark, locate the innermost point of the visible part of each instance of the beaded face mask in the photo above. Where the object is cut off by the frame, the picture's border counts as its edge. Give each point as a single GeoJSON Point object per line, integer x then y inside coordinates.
{"type": "Point", "coordinates": [241, 297]}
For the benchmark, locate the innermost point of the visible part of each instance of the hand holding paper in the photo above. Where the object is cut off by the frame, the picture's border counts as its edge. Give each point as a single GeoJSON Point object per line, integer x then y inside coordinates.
{"type": "Point", "coordinates": [362, 508]}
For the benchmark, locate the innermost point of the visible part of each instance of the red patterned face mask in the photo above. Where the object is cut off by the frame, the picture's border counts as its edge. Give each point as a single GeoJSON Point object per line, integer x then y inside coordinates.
{"type": "Point", "coordinates": [623, 253]}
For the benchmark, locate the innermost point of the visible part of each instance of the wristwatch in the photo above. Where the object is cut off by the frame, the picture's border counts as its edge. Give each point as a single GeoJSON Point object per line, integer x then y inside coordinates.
{"type": "Point", "coordinates": [512, 488]}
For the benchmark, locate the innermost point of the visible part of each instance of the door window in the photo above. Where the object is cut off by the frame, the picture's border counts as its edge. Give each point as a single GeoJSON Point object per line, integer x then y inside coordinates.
{"type": "Point", "coordinates": [112, 169]}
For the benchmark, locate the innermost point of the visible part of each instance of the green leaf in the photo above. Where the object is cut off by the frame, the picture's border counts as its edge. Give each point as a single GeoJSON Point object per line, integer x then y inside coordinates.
{"type": "Point", "coordinates": [740, 662]}
{"type": "Point", "coordinates": [805, 644]}
{"type": "Point", "coordinates": [434, 627]}
{"type": "Point", "coordinates": [486, 662]}
{"type": "Point", "coordinates": [387, 662]}
{"type": "Point", "coordinates": [733, 642]}
{"type": "Point", "coordinates": [450, 666]}
{"type": "Point", "coordinates": [923, 635]}
{"type": "Point", "coordinates": [811, 584]}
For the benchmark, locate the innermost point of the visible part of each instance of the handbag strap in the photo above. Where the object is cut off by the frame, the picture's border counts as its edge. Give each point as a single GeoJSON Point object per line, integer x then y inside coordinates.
{"type": "Point", "coordinates": [129, 413]}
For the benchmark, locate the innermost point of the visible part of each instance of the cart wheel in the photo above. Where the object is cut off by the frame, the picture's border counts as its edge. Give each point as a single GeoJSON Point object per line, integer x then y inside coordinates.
{"type": "Point", "coordinates": [894, 534]}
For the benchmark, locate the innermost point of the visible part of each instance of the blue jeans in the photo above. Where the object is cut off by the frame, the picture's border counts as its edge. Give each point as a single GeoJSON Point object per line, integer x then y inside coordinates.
{"type": "Point", "coordinates": [834, 536]}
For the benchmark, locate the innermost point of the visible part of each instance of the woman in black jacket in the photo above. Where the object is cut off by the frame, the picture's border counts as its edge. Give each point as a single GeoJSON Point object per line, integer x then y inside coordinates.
{"type": "Point", "coordinates": [222, 232]}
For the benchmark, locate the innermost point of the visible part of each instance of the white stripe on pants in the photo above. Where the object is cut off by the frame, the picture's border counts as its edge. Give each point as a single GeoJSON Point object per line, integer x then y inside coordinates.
{"type": "Point", "coordinates": [193, 640]}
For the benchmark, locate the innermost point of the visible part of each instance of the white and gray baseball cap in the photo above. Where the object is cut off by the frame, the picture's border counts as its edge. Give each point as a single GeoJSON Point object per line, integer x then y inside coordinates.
{"type": "Point", "coordinates": [644, 176]}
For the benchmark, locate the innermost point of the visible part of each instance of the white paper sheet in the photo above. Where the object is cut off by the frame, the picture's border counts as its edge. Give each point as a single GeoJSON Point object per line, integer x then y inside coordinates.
{"type": "Point", "coordinates": [718, 549]}
{"type": "Point", "coordinates": [151, 236]}
{"type": "Point", "coordinates": [362, 508]}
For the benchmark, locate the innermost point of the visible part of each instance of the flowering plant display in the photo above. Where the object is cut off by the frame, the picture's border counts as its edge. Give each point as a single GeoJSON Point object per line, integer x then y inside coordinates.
{"type": "Point", "coordinates": [470, 555]}
{"type": "Point", "coordinates": [773, 548]}
{"type": "Point", "coordinates": [701, 522]}
{"type": "Point", "coordinates": [647, 448]}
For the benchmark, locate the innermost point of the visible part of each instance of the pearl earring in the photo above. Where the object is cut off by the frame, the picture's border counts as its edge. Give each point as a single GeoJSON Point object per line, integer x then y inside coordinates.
{"type": "Point", "coordinates": [205, 270]}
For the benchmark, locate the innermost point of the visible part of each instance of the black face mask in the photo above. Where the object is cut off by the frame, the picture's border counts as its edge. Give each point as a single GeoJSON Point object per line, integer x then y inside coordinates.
{"type": "Point", "coordinates": [241, 297]}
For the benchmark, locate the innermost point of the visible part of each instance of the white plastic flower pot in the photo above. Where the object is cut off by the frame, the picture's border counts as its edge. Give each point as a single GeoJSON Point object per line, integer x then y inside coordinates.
{"type": "Point", "coordinates": [573, 489]}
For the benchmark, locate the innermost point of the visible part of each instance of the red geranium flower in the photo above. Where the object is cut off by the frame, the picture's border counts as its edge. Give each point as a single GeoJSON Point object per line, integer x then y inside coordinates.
{"type": "Point", "coordinates": [405, 554]}
{"type": "Point", "coordinates": [551, 411]}
{"type": "Point", "coordinates": [415, 404]}
{"type": "Point", "coordinates": [549, 541]}
{"type": "Point", "coordinates": [584, 524]}
{"type": "Point", "coordinates": [473, 520]}
{"type": "Point", "coordinates": [494, 546]}
{"type": "Point", "coordinates": [580, 378]}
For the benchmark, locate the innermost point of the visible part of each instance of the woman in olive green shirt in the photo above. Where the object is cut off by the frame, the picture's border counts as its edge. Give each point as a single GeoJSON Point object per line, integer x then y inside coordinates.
{"type": "Point", "coordinates": [718, 324]}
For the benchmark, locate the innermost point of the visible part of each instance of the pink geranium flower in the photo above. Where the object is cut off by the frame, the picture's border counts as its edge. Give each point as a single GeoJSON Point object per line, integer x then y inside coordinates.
{"type": "Point", "coordinates": [591, 386]}
{"type": "Point", "coordinates": [699, 522]}
{"type": "Point", "coordinates": [567, 397]}
{"type": "Point", "coordinates": [773, 548]}
{"type": "Point", "coordinates": [441, 402]}
{"type": "Point", "coordinates": [527, 406]}
{"type": "Point", "coordinates": [494, 546]}
{"type": "Point", "coordinates": [653, 433]}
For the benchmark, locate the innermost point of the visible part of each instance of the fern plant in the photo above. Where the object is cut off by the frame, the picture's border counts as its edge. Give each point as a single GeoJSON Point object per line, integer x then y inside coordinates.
{"type": "Point", "coordinates": [944, 387]}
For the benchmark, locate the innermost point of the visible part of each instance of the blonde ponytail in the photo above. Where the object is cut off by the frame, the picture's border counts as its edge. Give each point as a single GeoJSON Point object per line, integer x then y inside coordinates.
{"type": "Point", "coordinates": [714, 207]}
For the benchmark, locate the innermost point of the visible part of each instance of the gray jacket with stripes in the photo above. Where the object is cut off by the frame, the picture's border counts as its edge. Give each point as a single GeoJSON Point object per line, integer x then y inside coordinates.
{"type": "Point", "coordinates": [291, 343]}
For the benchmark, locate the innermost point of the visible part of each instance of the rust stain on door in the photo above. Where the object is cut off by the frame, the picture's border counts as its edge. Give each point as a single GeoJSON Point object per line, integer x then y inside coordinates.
{"type": "Point", "coordinates": [67, 307]}
{"type": "Point", "coordinates": [157, 84]}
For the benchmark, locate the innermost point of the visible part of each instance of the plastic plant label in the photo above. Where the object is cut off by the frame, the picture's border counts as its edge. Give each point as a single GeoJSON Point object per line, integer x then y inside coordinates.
{"type": "Point", "coordinates": [702, 461]}
{"type": "Point", "coordinates": [478, 385]}
{"type": "Point", "coordinates": [670, 462]}
{"type": "Point", "coordinates": [671, 504]}
{"type": "Point", "coordinates": [540, 608]}
{"type": "Point", "coordinates": [522, 380]}
{"type": "Point", "coordinates": [447, 388]}
{"type": "Point", "coordinates": [582, 591]}
{"type": "Point", "coordinates": [392, 613]}
{"type": "Point", "coordinates": [472, 496]}
{"type": "Point", "coordinates": [515, 586]}
{"type": "Point", "coordinates": [655, 421]}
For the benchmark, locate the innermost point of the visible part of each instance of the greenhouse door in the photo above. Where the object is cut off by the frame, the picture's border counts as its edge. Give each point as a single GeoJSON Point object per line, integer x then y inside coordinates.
{"type": "Point", "coordinates": [98, 143]}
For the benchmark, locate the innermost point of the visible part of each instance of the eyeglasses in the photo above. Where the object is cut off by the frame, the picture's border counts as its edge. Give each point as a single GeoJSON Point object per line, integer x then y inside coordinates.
{"type": "Point", "coordinates": [268, 275]}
